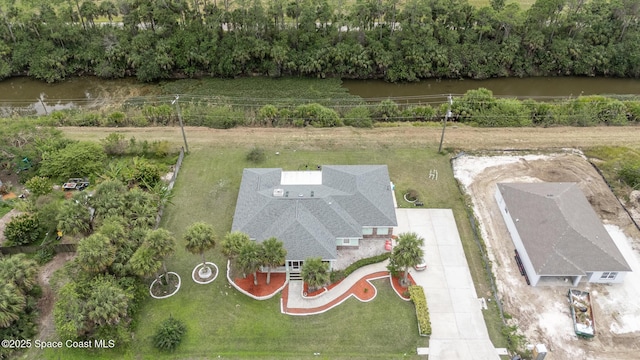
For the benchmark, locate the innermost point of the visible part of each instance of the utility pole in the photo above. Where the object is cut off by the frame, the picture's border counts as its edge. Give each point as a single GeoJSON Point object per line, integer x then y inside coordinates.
{"type": "Point", "coordinates": [184, 137]}
{"type": "Point", "coordinates": [444, 125]}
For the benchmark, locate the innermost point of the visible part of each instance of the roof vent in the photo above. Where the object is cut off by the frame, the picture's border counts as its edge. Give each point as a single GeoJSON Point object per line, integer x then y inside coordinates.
{"type": "Point", "coordinates": [278, 192]}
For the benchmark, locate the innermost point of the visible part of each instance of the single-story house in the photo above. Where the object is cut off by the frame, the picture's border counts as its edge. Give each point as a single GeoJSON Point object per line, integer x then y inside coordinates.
{"type": "Point", "coordinates": [316, 213]}
{"type": "Point", "coordinates": [557, 233]}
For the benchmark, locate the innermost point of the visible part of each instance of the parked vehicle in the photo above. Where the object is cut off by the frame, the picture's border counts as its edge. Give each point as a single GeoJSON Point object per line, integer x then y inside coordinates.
{"type": "Point", "coordinates": [75, 184]}
{"type": "Point", "coordinates": [582, 313]}
{"type": "Point", "coordinates": [422, 266]}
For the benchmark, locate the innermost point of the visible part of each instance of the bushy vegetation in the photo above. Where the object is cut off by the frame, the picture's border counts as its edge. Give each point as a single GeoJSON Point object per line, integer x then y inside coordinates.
{"type": "Point", "coordinates": [169, 334]}
{"type": "Point", "coordinates": [256, 155]}
{"type": "Point", "coordinates": [620, 166]}
{"type": "Point", "coordinates": [477, 107]}
{"type": "Point", "coordinates": [23, 230]}
{"type": "Point", "coordinates": [19, 294]}
{"type": "Point", "coordinates": [416, 293]}
{"type": "Point", "coordinates": [341, 274]}
{"type": "Point", "coordinates": [397, 41]}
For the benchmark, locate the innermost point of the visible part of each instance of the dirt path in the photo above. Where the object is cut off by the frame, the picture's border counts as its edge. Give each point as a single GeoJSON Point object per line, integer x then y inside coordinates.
{"type": "Point", "coordinates": [458, 137]}
{"type": "Point", "coordinates": [541, 313]}
{"type": "Point", "coordinates": [46, 326]}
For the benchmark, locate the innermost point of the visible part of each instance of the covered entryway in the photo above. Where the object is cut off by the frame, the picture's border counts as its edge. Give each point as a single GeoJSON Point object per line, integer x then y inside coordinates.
{"type": "Point", "coordinates": [294, 267]}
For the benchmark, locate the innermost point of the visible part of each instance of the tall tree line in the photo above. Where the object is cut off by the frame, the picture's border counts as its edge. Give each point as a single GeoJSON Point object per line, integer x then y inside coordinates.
{"type": "Point", "coordinates": [396, 40]}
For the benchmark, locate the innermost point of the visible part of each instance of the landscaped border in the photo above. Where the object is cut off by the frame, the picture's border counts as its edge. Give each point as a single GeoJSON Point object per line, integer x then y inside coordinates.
{"type": "Point", "coordinates": [342, 298]}
{"type": "Point", "coordinates": [195, 269]}
{"type": "Point", "coordinates": [266, 297]}
{"type": "Point", "coordinates": [166, 296]}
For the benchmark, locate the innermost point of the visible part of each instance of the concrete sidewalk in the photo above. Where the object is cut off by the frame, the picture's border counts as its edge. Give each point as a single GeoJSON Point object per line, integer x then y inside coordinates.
{"type": "Point", "coordinates": [296, 300]}
{"type": "Point", "coordinates": [458, 328]}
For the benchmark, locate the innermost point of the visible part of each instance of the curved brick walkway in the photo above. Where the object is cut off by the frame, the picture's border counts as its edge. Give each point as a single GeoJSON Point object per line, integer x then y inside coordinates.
{"type": "Point", "coordinates": [294, 303]}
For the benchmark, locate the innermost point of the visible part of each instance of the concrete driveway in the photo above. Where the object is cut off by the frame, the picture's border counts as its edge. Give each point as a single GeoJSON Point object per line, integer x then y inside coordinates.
{"type": "Point", "coordinates": [459, 330]}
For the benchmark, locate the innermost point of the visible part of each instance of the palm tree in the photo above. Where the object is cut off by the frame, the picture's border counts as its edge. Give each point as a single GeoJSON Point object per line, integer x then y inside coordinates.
{"type": "Point", "coordinates": [274, 254]}
{"type": "Point", "coordinates": [250, 259]}
{"type": "Point", "coordinates": [144, 262]}
{"type": "Point", "coordinates": [74, 218]}
{"type": "Point", "coordinates": [199, 238]}
{"type": "Point", "coordinates": [95, 253]}
{"type": "Point", "coordinates": [19, 271]}
{"type": "Point", "coordinates": [12, 304]}
{"type": "Point", "coordinates": [315, 272]}
{"type": "Point", "coordinates": [407, 252]}
{"type": "Point", "coordinates": [162, 243]}
{"type": "Point", "coordinates": [233, 242]}
{"type": "Point", "coordinates": [107, 303]}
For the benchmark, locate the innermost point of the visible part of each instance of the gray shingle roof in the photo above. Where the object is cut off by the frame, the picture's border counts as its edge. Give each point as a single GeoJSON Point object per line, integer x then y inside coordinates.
{"type": "Point", "coordinates": [350, 197]}
{"type": "Point", "coordinates": [560, 230]}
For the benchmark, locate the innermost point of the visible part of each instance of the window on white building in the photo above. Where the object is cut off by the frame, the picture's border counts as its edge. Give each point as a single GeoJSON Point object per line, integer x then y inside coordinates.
{"type": "Point", "coordinates": [608, 275]}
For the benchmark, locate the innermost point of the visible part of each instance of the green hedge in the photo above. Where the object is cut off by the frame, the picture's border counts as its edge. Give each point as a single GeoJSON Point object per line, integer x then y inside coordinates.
{"type": "Point", "coordinates": [416, 293]}
{"type": "Point", "coordinates": [341, 274]}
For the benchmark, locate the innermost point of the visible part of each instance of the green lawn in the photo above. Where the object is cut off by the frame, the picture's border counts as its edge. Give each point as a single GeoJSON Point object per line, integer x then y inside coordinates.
{"type": "Point", "coordinates": [223, 322]}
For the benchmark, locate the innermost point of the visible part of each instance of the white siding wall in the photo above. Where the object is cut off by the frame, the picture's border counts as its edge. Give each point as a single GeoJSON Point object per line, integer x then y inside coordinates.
{"type": "Point", "coordinates": [596, 277]}
{"type": "Point", "coordinates": [515, 238]}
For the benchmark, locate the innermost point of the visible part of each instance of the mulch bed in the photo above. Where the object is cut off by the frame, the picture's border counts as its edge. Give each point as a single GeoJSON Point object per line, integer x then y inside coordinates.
{"type": "Point", "coordinates": [403, 291]}
{"type": "Point", "coordinates": [163, 290]}
{"type": "Point", "coordinates": [214, 272]}
{"type": "Point", "coordinates": [319, 291]}
{"type": "Point", "coordinates": [262, 289]}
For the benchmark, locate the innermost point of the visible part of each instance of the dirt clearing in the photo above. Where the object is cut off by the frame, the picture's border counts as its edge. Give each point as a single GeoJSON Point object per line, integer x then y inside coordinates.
{"type": "Point", "coordinates": [457, 137]}
{"type": "Point", "coordinates": [542, 313]}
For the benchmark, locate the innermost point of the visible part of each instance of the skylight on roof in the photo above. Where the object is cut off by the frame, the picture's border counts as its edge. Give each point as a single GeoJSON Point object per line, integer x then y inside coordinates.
{"type": "Point", "coordinates": [301, 178]}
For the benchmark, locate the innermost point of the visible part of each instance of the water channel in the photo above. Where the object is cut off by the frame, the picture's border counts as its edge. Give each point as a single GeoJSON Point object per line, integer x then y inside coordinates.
{"type": "Point", "coordinates": [33, 96]}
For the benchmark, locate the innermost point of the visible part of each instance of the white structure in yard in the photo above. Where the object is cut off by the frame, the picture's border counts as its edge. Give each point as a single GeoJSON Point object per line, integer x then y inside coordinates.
{"type": "Point", "coordinates": [557, 233]}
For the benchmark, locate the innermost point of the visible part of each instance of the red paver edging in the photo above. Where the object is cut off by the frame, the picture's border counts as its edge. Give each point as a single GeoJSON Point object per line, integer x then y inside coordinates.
{"type": "Point", "coordinates": [339, 300]}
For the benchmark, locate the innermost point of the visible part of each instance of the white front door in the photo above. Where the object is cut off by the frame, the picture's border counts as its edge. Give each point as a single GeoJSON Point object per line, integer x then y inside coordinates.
{"type": "Point", "coordinates": [295, 266]}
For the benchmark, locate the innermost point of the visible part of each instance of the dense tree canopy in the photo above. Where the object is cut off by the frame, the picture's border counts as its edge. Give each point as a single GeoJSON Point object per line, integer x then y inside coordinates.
{"type": "Point", "coordinates": [399, 40]}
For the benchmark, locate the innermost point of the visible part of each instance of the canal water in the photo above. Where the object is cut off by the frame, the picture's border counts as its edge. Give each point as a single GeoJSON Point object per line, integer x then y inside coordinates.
{"type": "Point", "coordinates": [540, 88]}
{"type": "Point", "coordinates": [25, 95]}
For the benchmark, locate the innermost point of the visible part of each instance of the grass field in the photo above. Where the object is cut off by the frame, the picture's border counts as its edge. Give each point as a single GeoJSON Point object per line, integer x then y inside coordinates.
{"type": "Point", "coordinates": [223, 322]}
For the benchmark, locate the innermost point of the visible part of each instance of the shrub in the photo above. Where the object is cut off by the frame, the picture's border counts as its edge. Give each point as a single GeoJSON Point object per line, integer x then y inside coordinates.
{"type": "Point", "coordinates": [117, 118]}
{"type": "Point", "coordinates": [416, 293]}
{"type": "Point", "coordinates": [358, 116]}
{"type": "Point", "coordinates": [22, 230]}
{"type": "Point", "coordinates": [386, 110]}
{"type": "Point", "coordinates": [364, 262]}
{"type": "Point", "coordinates": [316, 115]}
{"type": "Point", "coordinates": [158, 148]}
{"type": "Point", "coordinates": [114, 144]}
{"type": "Point", "coordinates": [633, 110]}
{"type": "Point", "coordinates": [341, 274]}
{"type": "Point", "coordinates": [268, 115]}
{"type": "Point", "coordinates": [418, 113]}
{"type": "Point", "coordinates": [38, 186]}
{"type": "Point", "coordinates": [169, 335]}
{"type": "Point", "coordinates": [75, 160]}
{"type": "Point", "coordinates": [44, 255]}
{"type": "Point", "coordinates": [159, 115]}
{"type": "Point", "coordinates": [256, 155]}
